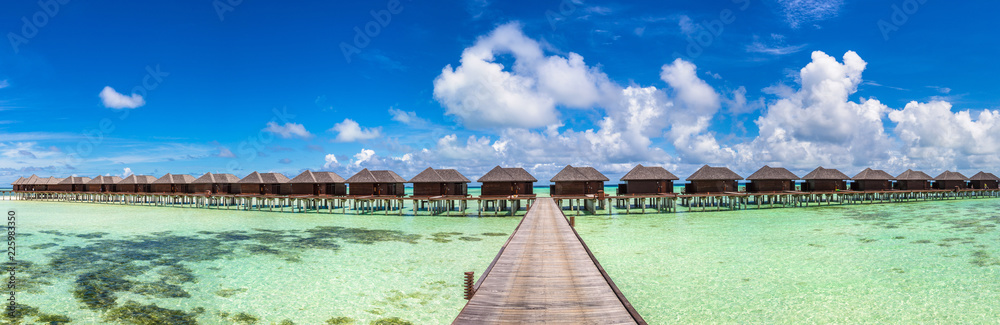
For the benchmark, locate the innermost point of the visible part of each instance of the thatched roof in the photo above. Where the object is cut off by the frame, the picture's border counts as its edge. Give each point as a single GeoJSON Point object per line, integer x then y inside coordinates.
{"type": "Point", "coordinates": [913, 175]}
{"type": "Point", "coordinates": [982, 176]}
{"type": "Point", "coordinates": [512, 174]}
{"type": "Point", "coordinates": [951, 176]}
{"type": "Point", "coordinates": [579, 174]}
{"type": "Point", "coordinates": [75, 180]}
{"type": "Point", "coordinates": [768, 172]}
{"type": "Point", "coordinates": [50, 181]}
{"type": "Point", "coordinates": [706, 173]}
{"type": "Point", "coordinates": [264, 178]}
{"type": "Point", "coordinates": [643, 173]}
{"type": "Point", "coordinates": [18, 181]}
{"type": "Point", "coordinates": [104, 180]}
{"type": "Point", "coordinates": [33, 179]}
{"type": "Point", "coordinates": [210, 178]}
{"type": "Point", "coordinates": [826, 173]}
{"type": "Point", "coordinates": [431, 175]}
{"type": "Point", "coordinates": [174, 179]}
{"type": "Point", "coordinates": [138, 179]}
{"type": "Point", "coordinates": [872, 174]}
{"type": "Point", "coordinates": [375, 176]}
{"type": "Point", "coordinates": [311, 177]}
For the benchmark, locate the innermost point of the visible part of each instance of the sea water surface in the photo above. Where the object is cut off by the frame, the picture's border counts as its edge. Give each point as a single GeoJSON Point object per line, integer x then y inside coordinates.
{"type": "Point", "coordinates": [904, 263]}
{"type": "Point", "coordinates": [99, 263]}
{"type": "Point", "coordinates": [921, 262]}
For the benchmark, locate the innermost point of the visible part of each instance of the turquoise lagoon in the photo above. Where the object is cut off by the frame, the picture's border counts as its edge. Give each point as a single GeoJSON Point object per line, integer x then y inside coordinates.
{"type": "Point", "coordinates": [935, 262]}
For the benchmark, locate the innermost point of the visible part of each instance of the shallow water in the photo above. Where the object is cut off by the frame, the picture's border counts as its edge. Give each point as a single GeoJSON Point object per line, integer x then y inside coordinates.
{"type": "Point", "coordinates": [87, 261]}
{"type": "Point", "coordinates": [920, 262]}
{"type": "Point", "coordinates": [927, 262]}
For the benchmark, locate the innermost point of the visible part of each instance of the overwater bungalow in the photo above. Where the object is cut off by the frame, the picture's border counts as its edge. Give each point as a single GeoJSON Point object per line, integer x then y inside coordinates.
{"type": "Point", "coordinates": [501, 181]}
{"type": "Point", "coordinates": [647, 180]}
{"type": "Point", "coordinates": [913, 180]}
{"type": "Point", "coordinates": [438, 182]}
{"type": "Point", "coordinates": [949, 180]}
{"type": "Point", "coordinates": [824, 180]}
{"type": "Point", "coordinates": [136, 184]}
{"type": "Point", "coordinates": [171, 183]}
{"type": "Point", "coordinates": [319, 183]}
{"type": "Point", "coordinates": [376, 182]}
{"type": "Point", "coordinates": [771, 180]}
{"type": "Point", "coordinates": [264, 183]}
{"type": "Point", "coordinates": [983, 180]}
{"type": "Point", "coordinates": [103, 184]}
{"type": "Point", "coordinates": [49, 184]}
{"type": "Point", "coordinates": [577, 181]}
{"type": "Point", "coordinates": [872, 180]}
{"type": "Point", "coordinates": [73, 184]}
{"type": "Point", "coordinates": [29, 183]}
{"type": "Point", "coordinates": [712, 180]}
{"type": "Point", "coordinates": [16, 185]}
{"type": "Point", "coordinates": [216, 184]}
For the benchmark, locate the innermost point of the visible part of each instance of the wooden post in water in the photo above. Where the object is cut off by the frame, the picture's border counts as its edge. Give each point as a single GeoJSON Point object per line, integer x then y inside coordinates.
{"type": "Point", "coordinates": [469, 291]}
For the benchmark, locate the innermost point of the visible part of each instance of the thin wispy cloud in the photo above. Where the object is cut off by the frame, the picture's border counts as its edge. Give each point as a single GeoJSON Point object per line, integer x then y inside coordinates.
{"type": "Point", "coordinates": [773, 45]}
{"type": "Point", "coordinates": [288, 130]}
{"type": "Point", "coordinates": [801, 12]}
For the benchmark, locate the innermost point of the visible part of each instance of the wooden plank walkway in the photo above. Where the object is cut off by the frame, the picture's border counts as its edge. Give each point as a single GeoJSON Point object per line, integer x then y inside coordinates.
{"type": "Point", "coordinates": [546, 274]}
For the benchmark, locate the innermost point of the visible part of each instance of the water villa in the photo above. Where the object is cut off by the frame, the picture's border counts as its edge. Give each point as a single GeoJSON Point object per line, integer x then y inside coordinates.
{"type": "Point", "coordinates": [16, 185]}
{"type": "Point", "coordinates": [440, 182]}
{"type": "Point", "coordinates": [982, 180]}
{"type": "Point", "coordinates": [913, 180]}
{"type": "Point", "coordinates": [577, 181]}
{"type": "Point", "coordinates": [264, 184]}
{"type": "Point", "coordinates": [376, 183]}
{"type": "Point", "coordinates": [712, 180]}
{"type": "Point", "coordinates": [136, 184]}
{"type": "Point", "coordinates": [318, 183]}
{"type": "Point", "coordinates": [824, 180]}
{"type": "Point", "coordinates": [771, 180]}
{"type": "Point", "coordinates": [73, 184]}
{"type": "Point", "coordinates": [103, 184]}
{"type": "Point", "coordinates": [647, 180]}
{"type": "Point", "coordinates": [171, 183]}
{"type": "Point", "coordinates": [503, 189]}
{"type": "Point", "coordinates": [501, 181]}
{"type": "Point", "coordinates": [872, 180]}
{"type": "Point", "coordinates": [950, 180]}
{"type": "Point", "coordinates": [216, 184]}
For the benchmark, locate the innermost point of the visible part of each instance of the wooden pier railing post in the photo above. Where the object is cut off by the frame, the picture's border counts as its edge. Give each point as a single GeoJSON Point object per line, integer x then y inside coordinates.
{"type": "Point", "coordinates": [469, 290]}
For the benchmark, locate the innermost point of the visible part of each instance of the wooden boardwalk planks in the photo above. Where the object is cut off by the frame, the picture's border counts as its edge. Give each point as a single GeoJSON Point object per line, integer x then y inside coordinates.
{"type": "Point", "coordinates": [545, 274]}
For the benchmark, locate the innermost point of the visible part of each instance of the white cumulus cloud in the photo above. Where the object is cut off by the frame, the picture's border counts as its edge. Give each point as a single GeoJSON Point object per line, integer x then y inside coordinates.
{"type": "Point", "coordinates": [817, 124]}
{"type": "Point", "coordinates": [350, 131]}
{"type": "Point", "coordinates": [483, 93]}
{"type": "Point", "coordinates": [113, 99]}
{"type": "Point", "coordinates": [289, 130]}
{"type": "Point", "coordinates": [330, 161]}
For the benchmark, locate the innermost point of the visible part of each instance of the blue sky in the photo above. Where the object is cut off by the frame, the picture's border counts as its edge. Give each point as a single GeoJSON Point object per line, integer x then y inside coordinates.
{"type": "Point", "coordinates": [236, 86]}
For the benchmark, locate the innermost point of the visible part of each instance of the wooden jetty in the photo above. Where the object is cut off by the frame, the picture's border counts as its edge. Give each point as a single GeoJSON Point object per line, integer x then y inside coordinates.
{"type": "Point", "coordinates": [546, 274]}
